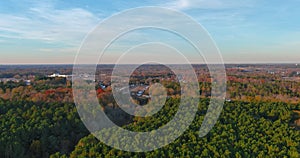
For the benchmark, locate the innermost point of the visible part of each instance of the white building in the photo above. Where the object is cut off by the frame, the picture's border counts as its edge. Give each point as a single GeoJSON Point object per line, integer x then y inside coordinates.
{"type": "Point", "coordinates": [57, 75]}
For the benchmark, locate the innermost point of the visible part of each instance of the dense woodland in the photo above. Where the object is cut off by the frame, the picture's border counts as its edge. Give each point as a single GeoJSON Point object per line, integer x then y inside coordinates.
{"type": "Point", "coordinates": [261, 119]}
{"type": "Point", "coordinates": [243, 130]}
{"type": "Point", "coordinates": [31, 129]}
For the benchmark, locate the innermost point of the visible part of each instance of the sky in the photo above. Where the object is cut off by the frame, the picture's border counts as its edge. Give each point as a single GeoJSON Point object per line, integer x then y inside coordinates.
{"type": "Point", "coordinates": [245, 31]}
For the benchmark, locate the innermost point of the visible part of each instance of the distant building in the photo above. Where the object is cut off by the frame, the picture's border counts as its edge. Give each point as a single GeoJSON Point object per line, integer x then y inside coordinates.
{"type": "Point", "coordinates": [4, 80]}
{"type": "Point", "coordinates": [27, 82]}
{"type": "Point", "coordinates": [228, 100]}
{"type": "Point", "coordinates": [271, 72]}
{"type": "Point", "coordinates": [57, 75]}
{"type": "Point", "coordinates": [102, 86]}
{"type": "Point", "coordinates": [68, 77]}
{"type": "Point", "coordinates": [140, 93]}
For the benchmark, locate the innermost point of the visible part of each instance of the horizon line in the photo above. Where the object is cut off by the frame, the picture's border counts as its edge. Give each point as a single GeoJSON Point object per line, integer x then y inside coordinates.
{"type": "Point", "coordinates": [225, 63]}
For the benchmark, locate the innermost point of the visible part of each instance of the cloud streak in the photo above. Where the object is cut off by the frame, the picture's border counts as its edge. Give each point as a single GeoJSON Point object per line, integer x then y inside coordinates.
{"type": "Point", "coordinates": [207, 4]}
{"type": "Point", "coordinates": [49, 24]}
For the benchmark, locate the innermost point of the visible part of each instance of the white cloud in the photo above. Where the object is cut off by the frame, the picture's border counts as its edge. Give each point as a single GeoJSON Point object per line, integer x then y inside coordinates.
{"type": "Point", "coordinates": [206, 4]}
{"type": "Point", "coordinates": [49, 24]}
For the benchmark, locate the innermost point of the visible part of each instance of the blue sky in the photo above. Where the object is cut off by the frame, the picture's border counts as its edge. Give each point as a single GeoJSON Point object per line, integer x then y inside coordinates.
{"type": "Point", "coordinates": [246, 31]}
